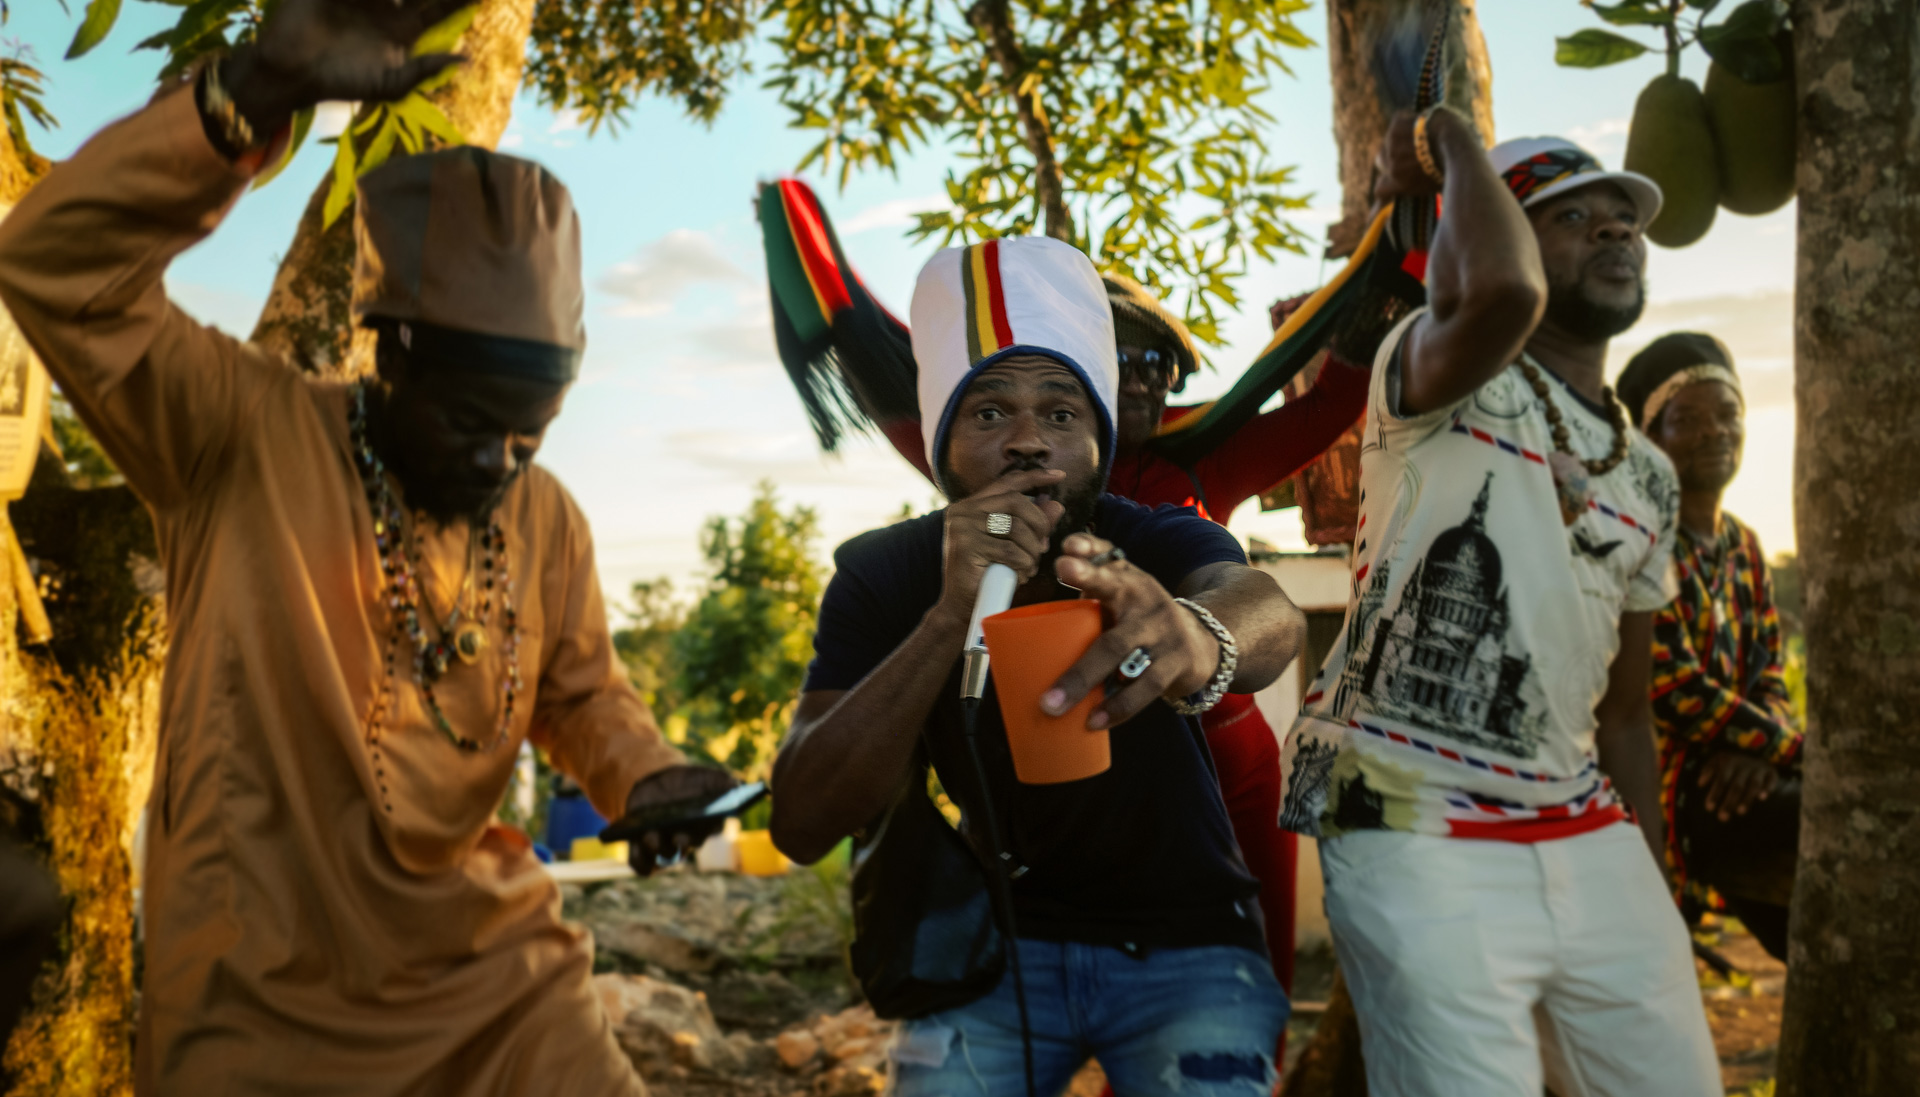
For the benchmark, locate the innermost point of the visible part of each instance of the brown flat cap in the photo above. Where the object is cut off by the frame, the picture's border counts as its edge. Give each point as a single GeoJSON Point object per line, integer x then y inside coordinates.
{"type": "Point", "coordinates": [470, 241]}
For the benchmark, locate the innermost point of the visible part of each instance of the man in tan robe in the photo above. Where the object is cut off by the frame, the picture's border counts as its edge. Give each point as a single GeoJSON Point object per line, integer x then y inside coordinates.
{"type": "Point", "coordinates": [331, 907]}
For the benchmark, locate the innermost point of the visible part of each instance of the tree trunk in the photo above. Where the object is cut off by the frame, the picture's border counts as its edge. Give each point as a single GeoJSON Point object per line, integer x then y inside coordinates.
{"type": "Point", "coordinates": [307, 318]}
{"type": "Point", "coordinates": [77, 736]}
{"type": "Point", "coordinates": [1852, 1021]}
{"type": "Point", "coordinates": [1359, 111]}
{"type": "Point", "coordinates": [1331, 1065]}
{"type": "Point", "coordinates": [1049, 188]}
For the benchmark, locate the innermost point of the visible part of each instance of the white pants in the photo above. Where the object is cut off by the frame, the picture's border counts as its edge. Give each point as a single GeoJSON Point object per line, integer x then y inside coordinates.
{"type": "Point", "coordinates": [1455, 949]}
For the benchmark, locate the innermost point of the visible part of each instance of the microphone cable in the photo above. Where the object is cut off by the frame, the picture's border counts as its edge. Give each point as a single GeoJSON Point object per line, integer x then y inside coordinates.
{"type": "Point", "coordinates": [1000, 887]}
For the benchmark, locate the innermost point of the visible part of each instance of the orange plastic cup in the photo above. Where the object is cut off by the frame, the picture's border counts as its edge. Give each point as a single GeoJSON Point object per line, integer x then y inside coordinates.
{"type": "Point", "coordinates": [1030, 648]}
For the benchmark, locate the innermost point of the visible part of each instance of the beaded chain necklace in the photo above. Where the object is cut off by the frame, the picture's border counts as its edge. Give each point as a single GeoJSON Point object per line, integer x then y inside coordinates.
{"type": "Point", "coordinates": [401, 589]}
{"type": "Point", "coordinates": [1571, 472]}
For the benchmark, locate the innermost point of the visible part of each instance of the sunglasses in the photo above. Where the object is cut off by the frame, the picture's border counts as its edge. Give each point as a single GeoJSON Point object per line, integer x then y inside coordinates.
{"type": "Point", "coordinates": [1156, 369]}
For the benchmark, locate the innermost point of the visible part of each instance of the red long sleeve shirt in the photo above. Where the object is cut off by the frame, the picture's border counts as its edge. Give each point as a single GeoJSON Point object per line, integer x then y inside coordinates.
{"type": "Point", "coordinates": [1271, 447]}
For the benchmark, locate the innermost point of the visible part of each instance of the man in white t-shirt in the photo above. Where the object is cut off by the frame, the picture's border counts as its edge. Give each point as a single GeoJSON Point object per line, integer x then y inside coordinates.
{"type": "Point", "coordinates": [1476, 748]}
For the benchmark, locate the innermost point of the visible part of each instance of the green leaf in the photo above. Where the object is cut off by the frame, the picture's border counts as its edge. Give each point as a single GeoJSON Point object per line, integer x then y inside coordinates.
{"type": "Point", "coordinates": [341, 195]}
{"type": "Point", "coordinates": [1747, 43]}
{"type": "Point", "coordinates": [427, 115]}
{"type": "Point", "coordinates": [1703, 6]}
{"type": "Point", "coordinates": [1630, 14]}
{"type": "Point", "coordinates": [94, 27]}
{"type": "Point", "coordinates": [302, 123]}
{"type": "Point", "coordinates": [443, 36]}
{"type": "Point", "coordinates": [381, 148]}
{"type": "Point", "coordinates": [198, 19]}
{"type": "Point", "coordinates": [1593, 49]}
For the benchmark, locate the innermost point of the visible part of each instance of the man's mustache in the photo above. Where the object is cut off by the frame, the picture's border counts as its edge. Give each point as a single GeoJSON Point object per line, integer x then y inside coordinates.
{"type": "Point", "coordinates": [1613, 252]}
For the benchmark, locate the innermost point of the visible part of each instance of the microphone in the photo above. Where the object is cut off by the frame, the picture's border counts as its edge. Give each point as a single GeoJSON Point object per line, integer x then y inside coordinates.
{"type": "Point", "coordinates": [996, 594]}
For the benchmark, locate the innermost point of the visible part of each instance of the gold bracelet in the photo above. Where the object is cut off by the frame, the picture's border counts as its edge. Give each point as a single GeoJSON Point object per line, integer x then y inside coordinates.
{"type": "Point", "coordinates": [219, 105]}
{"type": "Point", "coordinates": [1423, 149]}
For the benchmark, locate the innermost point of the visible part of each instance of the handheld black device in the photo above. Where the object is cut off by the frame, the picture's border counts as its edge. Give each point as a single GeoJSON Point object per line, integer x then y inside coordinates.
{"type": "Point", "coordinates": [684, 814]}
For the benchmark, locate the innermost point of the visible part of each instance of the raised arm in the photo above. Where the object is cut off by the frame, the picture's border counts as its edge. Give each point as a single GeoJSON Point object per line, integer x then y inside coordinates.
{"type": "Point", "coordinates": [81, 261]}
{"type": "Point", "coordinates": [83, 255]}
{"type": "Point", "coordinates": [1486, 288]}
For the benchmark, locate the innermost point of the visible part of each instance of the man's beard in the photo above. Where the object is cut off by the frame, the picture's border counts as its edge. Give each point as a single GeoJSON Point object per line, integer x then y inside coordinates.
{"type": "Point", "coordinates": [445, 512]}
{"type": "Point", "coordinates": [1572, 311]}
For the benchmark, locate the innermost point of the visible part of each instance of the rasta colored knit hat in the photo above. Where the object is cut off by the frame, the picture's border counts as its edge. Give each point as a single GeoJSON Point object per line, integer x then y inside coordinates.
{"type": "Point", "coordinates": [1669, 364]}
{"type": "Point", "coordinates": [979, 305]}
{"type": "Point", "coordinates": [1538, 168]}
{"type": "Point", "coordinates": [1140, 321]}
{"type": "Point", "coordinates": [478, 255]}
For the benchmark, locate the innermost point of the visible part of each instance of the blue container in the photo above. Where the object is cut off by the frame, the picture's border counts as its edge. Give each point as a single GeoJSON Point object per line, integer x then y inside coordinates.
{"type": "Point", "coordinates": [570, 817]}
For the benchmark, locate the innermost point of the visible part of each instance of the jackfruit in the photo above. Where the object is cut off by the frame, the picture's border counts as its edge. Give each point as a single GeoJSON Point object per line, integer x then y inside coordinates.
{"type": "Point", "coordinates": [1753, 133]}
{"type": "Point", "coordinates": [1671, 142]}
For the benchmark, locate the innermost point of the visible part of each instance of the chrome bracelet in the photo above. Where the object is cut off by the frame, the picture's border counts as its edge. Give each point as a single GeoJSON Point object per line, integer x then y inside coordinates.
{"type": "Point", "coordinates": [1223, 674]}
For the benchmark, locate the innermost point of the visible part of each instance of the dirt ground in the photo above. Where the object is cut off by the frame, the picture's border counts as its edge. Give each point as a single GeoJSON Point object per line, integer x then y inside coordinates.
{"type": "Point", "coordinates": [1743, 1012]}
{"type": "Point", "coordinates": [766, 956]}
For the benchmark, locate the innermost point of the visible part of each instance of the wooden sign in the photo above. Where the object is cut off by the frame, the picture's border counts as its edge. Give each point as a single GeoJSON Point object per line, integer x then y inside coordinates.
{"type": "Point", "coordinates": [24, 389]}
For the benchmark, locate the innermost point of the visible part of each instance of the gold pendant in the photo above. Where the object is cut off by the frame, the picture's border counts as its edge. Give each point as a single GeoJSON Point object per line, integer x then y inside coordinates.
{"type": "Point", "coordinates": [470, 642]}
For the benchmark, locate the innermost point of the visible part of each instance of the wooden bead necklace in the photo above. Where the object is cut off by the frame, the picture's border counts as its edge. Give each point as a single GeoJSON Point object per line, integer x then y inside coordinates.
{"type": "Point", "coordinates": [1570, 470]}
{"type": "Point", "coordinates": [401, 590]}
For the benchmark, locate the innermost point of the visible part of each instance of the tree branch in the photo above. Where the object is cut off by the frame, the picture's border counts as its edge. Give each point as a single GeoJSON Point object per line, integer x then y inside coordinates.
{"type": "Point", "coordinates": [992, 18]}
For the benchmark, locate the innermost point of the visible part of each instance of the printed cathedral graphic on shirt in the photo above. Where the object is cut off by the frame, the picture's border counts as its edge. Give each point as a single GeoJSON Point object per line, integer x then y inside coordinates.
{"type": "Point", "coordinates": [1441, 661]}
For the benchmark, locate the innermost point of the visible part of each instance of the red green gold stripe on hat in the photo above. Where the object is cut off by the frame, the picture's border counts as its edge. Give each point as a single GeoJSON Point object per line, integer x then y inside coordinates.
{"type": "Point", "coordinates": [988, 332]}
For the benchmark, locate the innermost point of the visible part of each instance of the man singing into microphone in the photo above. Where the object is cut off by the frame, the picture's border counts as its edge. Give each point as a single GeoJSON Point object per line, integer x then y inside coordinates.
{"type": "Point", "coordinates": [1138, 928]}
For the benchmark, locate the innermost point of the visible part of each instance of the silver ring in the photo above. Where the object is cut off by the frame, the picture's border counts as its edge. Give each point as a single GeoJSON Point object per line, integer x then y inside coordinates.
{"type": "Point", "coordinates": [1135, 664]}
{"type": "Point", "coordinates": [1112, 556]}
{"type": "Point", "coordinates": [1000, 525]}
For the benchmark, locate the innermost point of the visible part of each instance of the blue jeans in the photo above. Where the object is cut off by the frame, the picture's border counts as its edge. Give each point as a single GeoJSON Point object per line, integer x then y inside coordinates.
{"type": "Point", "coordinates": [1198, 1022]}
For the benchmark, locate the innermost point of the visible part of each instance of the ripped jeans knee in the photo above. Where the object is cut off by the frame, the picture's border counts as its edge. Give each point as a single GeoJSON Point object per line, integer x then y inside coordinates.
{"type": "Point", "coordinates": [1196, 1022]}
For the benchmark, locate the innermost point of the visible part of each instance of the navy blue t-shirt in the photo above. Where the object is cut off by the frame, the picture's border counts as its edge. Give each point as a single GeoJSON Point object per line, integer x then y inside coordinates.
{"type": "Point", "coordinates": [1140, 855]}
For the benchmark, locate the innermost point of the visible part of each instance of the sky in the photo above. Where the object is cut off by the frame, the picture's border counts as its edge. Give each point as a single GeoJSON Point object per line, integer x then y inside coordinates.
{"type": "Point", "coordinates": [682, 407]}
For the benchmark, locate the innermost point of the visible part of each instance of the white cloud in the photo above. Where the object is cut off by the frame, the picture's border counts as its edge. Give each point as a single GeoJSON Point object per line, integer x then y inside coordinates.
{"type": "Point", "coordinates": [654, 279]}
{"type": "Point", "coordinates": [1608, 137]}
{"type": "Point", "coordinates": [898, 213]}
{"type": "Point", "coordinates": [512, 141]}
{"type": "Point", "coordinates": [747, 340]}
{"type": "Point", "coordinates": [330, 120]}
{"type": "Point", "coordinates": [1314, 215]}
{"type": "Point", "coordinates": [566, 120]}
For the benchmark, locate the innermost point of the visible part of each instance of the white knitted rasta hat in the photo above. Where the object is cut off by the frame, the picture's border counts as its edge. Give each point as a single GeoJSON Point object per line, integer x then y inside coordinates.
{"type": "Point", "coordinates": [975, 306]}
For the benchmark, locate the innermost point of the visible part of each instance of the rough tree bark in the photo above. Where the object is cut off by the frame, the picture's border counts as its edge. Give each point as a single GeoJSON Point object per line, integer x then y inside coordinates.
{"type": "Point", "coordinates": [1852, 1021]}
{"type": "Point", "coordinates": [1331, 1064]}
{"type": "Point", "coordinates": [1049, 188]}
{"type": "Point", "coordinates": [306, 317]}
{"type": "Point", "coordinates": [1360, 115]}
{"type": "Point", "coordinates": [77, 736]}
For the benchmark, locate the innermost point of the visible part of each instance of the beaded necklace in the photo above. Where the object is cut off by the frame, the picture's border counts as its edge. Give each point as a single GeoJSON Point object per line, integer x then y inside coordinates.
{"type": "Point", "coordinates": [400, 588]}
{"type": "Point", "coordinates": [1571, 472]}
